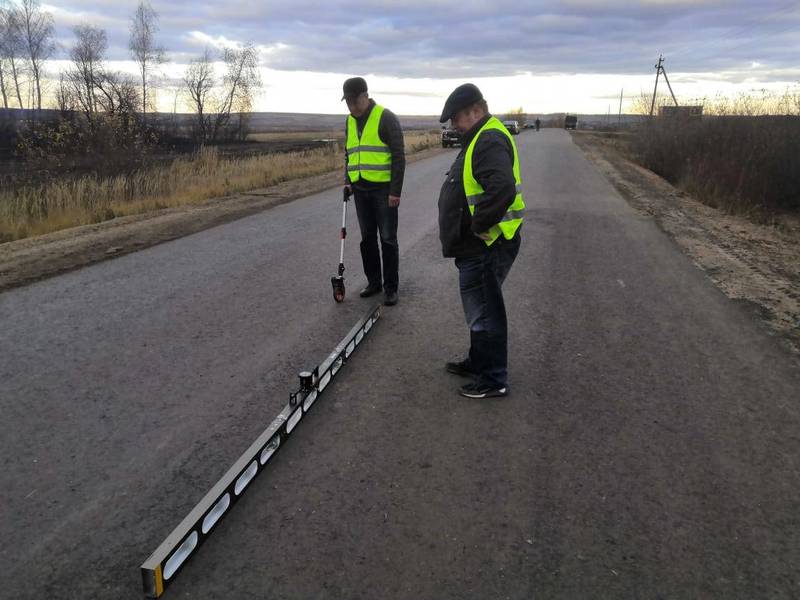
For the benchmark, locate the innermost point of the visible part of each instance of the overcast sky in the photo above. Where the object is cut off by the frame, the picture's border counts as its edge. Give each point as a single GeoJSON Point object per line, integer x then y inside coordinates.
{"type": "Point", "coordinates": [545, 56]}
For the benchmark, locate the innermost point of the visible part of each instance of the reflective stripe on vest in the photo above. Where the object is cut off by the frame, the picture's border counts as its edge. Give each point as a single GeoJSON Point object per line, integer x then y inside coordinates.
{"type": "Point", "coordinates": [368, 156]}
{"type": "Point", "coordinates": [508, 225]}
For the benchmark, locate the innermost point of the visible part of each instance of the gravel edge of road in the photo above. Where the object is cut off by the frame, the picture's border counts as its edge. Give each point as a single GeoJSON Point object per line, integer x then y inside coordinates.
{"type": "Point", "coordinates": [757, 265]}
{"type": "Point", "coordinates": [27, 261]}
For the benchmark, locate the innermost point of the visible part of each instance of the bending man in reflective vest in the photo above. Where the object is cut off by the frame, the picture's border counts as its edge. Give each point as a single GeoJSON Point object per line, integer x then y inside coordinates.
{"type": "Point", "coordinates": [374, 168]}
{"type": "Point", "coordinates": [480, 216]}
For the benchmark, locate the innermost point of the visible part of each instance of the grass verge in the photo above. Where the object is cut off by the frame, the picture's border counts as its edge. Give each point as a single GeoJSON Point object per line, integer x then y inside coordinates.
{"type": "Point", "coordinates": [38, 209]}
{"type": "Point", "coordinates": [747, 165]}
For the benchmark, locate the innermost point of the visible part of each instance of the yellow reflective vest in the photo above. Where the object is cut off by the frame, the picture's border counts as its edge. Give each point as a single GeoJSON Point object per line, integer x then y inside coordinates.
{"type": "Point", "coordinates": [368, 157]}
{"type": "Point", "coordinates": [512, 220]}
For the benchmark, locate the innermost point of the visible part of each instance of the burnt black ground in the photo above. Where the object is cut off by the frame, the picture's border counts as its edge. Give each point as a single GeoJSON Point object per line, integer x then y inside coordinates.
{"type": "Point", "coordinates": [649, 448]}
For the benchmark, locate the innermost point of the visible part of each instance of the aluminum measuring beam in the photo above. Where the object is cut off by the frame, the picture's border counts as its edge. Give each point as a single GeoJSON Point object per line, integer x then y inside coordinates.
{"type": "Point", "coordinates": [161, 568]}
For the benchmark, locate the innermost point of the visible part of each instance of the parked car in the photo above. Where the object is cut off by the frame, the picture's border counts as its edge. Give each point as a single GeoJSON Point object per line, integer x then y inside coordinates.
{"type": "Point", "coordinates": [570, 122]}
{"type": "Point", "coordinates": [450, 137]}
{"type": "Point", "coordinates": [512, 126]}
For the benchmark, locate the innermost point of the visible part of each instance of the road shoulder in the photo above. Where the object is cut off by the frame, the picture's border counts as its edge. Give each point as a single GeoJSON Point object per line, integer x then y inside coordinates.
{"type": "Point", "coordinates": [757, 265]}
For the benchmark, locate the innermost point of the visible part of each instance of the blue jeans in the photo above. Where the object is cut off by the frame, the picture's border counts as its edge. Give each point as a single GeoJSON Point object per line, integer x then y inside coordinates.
{"type": "Point", "coordinates": [375, 216]}
{"type": "Point", "coordinates": [481, 280]}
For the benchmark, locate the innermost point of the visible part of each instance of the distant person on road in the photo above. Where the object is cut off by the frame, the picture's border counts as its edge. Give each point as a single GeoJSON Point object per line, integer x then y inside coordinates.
{"type": "Point", "coordinates": [375, 164]}
{"type": "Point", "coordinates": [480, 216]}
{"type": "Point", "coordinates": [538, 123]}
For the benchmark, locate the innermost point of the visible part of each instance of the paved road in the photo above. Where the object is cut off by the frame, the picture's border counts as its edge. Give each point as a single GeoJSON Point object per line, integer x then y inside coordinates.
{"type": "Point", "coordinates": [650, 447]}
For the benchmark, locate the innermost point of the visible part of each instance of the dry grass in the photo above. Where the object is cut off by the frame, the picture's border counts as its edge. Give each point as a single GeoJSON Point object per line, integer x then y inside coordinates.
{"type": "Point", "coordinates": [35, 210]}
{"type": "Point", "coordinates": [741, 156]}
{"type": "Point", "coordinates": [743, 165]}
{"type": "Point", "coordinates": [420, 140]}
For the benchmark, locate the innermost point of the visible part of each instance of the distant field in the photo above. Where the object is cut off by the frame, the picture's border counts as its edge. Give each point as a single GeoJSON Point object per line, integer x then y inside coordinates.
{"type": "Point", "coordinates": [278, 122]}
{"type": "Point", "coordinates": [296, 136]}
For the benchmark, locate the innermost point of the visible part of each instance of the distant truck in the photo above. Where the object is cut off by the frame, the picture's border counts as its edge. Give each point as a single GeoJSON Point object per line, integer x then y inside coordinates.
{"type": "Point", "coordinates": [570, 122]}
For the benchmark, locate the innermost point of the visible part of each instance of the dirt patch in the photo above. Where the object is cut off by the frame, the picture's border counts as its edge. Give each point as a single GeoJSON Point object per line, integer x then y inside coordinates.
{"type": "Point", "coordinates": [28, 260]}
{"type": "Point", "coordinates": [758, 265]}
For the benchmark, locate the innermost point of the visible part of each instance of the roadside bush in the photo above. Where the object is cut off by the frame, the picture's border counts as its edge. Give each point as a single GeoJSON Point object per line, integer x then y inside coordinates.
{"type": "Point", "coordinates": [104, 137]}
{"type": "Point", "coordinates": [742, 164]}
{"type": "Point", "coordinates": [8, 131]}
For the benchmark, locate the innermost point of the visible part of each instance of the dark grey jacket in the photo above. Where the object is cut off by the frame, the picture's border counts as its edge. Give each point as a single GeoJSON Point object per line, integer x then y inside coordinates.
{"type": "Point", "coordinates": [390, 132]}
{"type": "Point", "coordinates": [493, 167]}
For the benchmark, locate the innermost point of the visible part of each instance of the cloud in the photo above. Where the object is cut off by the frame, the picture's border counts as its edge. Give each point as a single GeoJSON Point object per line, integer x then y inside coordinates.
{"type": "Point", "coordinates": [449, 38]}
{"type": "Point", "coordinates": [737, 40]}
{"type": "Point", "coordinates": [200, 40]}
{"type": "Point", "coordinates": [409, 93]}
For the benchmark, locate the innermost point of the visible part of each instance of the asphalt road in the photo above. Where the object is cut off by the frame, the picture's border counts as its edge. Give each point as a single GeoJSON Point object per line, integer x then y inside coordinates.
{"type": "Point", "coordinates": [649, 448]}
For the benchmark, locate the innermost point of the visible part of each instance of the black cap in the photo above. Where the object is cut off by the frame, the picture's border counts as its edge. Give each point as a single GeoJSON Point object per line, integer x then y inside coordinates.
{"type": "Point", "coordinates": [354, 87]}
{"type": "Point", "coordinates": [463, 96]}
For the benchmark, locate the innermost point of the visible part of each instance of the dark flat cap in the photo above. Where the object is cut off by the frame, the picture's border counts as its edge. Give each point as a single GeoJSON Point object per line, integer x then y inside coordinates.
{"type": "Point", "coordinates": [461, 97]}
{"type": "Point", "coordinates": [354, 87]}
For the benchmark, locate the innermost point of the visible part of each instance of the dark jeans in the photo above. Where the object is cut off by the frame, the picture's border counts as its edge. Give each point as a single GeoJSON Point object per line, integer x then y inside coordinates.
{"type": "Point", "coordinates": [481, 282]}
{"type": "Point", "coordinates": [375, 216]}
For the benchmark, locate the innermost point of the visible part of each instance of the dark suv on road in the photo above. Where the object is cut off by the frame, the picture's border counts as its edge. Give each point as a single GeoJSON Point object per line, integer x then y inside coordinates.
{"type": "Point", "coordinates": [450, 137]}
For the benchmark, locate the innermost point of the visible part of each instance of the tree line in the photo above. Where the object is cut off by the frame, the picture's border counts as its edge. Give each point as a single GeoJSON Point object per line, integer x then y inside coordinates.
{"type": "Point", "coordinates": [103, 98]}
{"type": "Point", "coordinates": [26, 42]}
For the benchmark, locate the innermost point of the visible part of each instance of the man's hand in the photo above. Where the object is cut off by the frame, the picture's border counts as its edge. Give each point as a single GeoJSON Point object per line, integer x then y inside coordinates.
{"type": "Point", "coordinates": [394, 201]}
{"type": "Point", "coordinates": [349, 189]}
{"type": "Point", "coordinates": [484, 236]}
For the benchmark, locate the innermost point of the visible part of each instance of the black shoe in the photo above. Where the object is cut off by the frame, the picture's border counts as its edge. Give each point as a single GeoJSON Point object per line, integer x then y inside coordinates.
{"type": "Point", "coordinates": [390, 298]}
{"type": "Point", "coordinates": [462, 368]}
{"type": "Point", "coordinates": [370, 290]}
{"type": "Point", "coordinates": [476, 390]}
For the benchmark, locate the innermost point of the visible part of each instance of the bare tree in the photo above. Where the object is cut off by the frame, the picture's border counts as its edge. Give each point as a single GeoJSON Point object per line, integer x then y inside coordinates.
{"type": "Point", "coordinates": [143, 46]}
{"type": "Point", "coordinates": [65, 97]}
{"type": "Point", "coordinates": [37, 35]}
{"type": "Point", "coordinates": [4, 20]}
{"type": "Point", "coordinates": [213, 105]}
{"type": "Point", "coordinates": [3, 26]}
{"type": "Point", "coordinates": [87, 57]}
{"type": "Point", "coordinates": [118, 94]}
{"type": "Point", "coordinates": [517, 114]}
{"type": "Point", "coordinates": [242, 80]}
{"type": "Point", "coordinates": [200, 81]}
{"type": "Point", "coordinates": [11, 49]}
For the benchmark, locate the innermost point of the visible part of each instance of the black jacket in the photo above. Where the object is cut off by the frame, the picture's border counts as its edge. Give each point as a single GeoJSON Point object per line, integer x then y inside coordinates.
{"type": "Point", "coordinates": [493, 167]}
{"type": "Point", "coordinates": [390, 132]}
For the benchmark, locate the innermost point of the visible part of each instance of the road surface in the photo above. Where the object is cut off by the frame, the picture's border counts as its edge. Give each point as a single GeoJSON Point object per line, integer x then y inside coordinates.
{"type": "Point", "coordinates": [649, 448]}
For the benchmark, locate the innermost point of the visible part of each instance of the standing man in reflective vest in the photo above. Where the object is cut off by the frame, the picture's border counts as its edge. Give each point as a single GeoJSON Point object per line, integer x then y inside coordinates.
{"type": "Point", "coordinates": [480, 216]}
{"type": "Point", "coordinates": [375, 164]}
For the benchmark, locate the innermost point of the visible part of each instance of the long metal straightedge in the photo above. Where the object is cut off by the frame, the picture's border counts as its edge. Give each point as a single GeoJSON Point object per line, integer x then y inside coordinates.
{"type": "Point", "coordinates": [160, 569]}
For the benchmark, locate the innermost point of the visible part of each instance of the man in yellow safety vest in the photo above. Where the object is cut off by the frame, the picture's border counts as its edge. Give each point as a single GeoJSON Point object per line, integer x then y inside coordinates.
{"type": "Point", "coordinates": [374, 168]}
{"type": "Point", "coordinates": [480, 217]}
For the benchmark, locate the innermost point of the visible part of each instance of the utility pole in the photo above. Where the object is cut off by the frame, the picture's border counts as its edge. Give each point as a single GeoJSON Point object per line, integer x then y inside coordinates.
{"type": "Point", "coordinates": [674, 99]}
{"type": "Point", "coordinates": [619, 120]}
{"type": "Point", "coordinates": [659, 70]}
